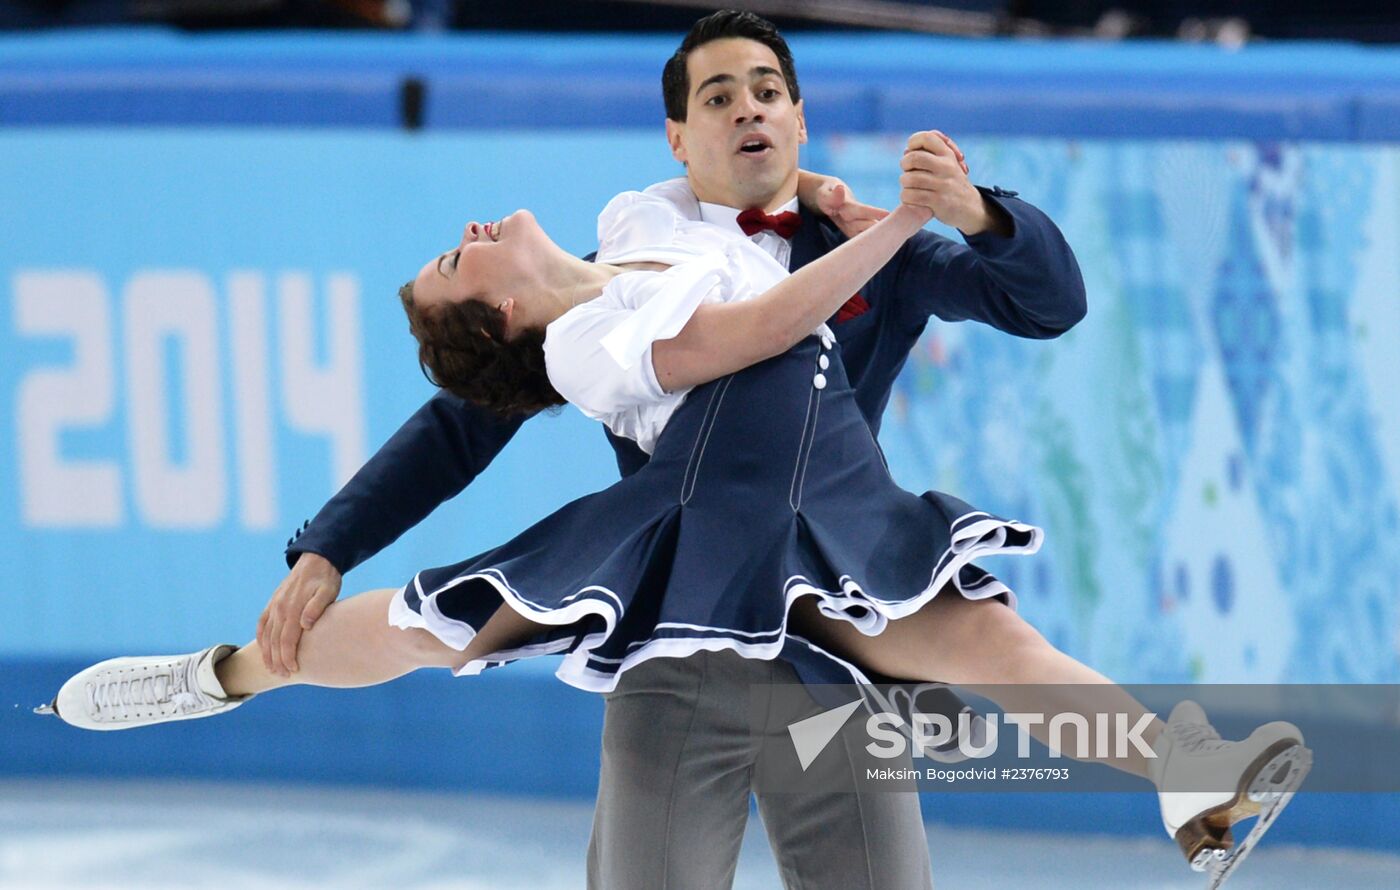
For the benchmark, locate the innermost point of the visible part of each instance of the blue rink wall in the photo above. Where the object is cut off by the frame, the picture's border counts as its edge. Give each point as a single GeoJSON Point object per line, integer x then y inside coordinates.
{"type": "Point", "coordinates": [202, 242]}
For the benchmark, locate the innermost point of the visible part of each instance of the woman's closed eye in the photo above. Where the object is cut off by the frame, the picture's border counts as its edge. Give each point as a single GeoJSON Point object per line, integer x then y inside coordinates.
{"type": "Point", "coordinates": [453, 256]}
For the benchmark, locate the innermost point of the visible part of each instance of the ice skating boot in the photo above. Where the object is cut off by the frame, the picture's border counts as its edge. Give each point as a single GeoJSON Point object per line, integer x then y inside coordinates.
{"type": "Point", "coordinates": [122, 693]}
{"type": "Point", "coordinates": [1206, 785]}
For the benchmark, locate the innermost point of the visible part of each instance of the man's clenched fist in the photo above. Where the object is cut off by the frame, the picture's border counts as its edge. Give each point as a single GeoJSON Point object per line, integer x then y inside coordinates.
{"type": "Point", "coordinates": [935, 178]}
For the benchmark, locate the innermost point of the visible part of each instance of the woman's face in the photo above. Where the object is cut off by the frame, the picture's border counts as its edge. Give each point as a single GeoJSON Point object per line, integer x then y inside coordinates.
{"type": "Point", "coordinates": [496, 263]}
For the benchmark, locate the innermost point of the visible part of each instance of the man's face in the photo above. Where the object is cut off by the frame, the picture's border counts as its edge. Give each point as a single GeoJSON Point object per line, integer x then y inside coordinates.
{"type": "Point", "coordinates": [740, 137]}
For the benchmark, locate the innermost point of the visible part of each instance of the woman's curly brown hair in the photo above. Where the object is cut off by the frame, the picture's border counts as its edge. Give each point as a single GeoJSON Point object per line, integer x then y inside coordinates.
{"type": "Point", "coordinates": [462, 348]}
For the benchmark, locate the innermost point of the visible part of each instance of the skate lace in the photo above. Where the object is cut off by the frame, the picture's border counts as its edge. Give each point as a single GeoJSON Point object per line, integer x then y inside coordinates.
{"type": "Point", "coordinates": [119, 698]}
{"type": "Point", "coordinates": [1197, 738]}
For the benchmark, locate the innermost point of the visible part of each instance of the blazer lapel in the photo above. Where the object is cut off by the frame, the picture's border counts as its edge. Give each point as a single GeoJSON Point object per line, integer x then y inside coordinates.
{"type": "Point", "coordinates": [813, 240]}
{"type": "Point", "coordinates": [809, 242]}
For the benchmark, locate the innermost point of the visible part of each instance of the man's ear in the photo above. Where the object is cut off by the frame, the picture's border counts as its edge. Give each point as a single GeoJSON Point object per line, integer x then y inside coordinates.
{"type": "Point", "coordinates": [801, 123]}
{"type": "Point", "coordinates": [675, 131]}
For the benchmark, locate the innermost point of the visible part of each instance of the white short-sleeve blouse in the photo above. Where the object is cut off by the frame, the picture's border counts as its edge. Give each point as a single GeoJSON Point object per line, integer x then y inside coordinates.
{"type": "Point", "coordinates": [598, 354]}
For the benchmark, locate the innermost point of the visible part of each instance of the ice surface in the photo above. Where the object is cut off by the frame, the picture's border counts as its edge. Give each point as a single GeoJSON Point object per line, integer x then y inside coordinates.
{"type": "Point", "coordinates": [93, 835]}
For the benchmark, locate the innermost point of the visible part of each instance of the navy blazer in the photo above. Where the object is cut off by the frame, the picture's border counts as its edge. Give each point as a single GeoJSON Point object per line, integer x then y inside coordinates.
{"type": "Point", "coordinates": [1027, 284]}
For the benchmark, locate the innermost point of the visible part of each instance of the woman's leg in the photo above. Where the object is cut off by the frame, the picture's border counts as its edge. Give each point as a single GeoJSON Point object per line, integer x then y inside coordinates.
{"type": "Point", "coordinates": [353, 644]}
{"type": "Point", "coordinates": [984, 646]}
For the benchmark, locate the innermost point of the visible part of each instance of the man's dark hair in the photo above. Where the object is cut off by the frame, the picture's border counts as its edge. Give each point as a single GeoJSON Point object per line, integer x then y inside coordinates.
{"type": "Point", "coordinates": [462, 348]}
{"type": "Point", "coordinates": [727, 23]}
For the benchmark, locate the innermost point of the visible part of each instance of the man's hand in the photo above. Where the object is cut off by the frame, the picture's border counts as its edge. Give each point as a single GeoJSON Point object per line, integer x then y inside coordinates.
{"type": "Point", "coordinates": [311, 586]}
{"type": "Point", "coordinates": [935, 178]}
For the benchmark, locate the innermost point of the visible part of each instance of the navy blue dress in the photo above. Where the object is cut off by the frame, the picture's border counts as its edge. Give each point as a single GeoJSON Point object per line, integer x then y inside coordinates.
{"type": "Point", "coordinates": [765, 486]}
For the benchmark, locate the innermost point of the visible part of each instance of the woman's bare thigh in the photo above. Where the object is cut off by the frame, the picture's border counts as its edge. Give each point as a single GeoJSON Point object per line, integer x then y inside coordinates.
{"type": "Point", "coordinates": [506, 629]}
{"type": "Point", "coordinates": [951, 639]}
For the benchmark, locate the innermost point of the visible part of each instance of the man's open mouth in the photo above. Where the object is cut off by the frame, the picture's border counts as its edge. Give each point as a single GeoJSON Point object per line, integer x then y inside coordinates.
{"type": "Point", "coordinates": [755, 145]}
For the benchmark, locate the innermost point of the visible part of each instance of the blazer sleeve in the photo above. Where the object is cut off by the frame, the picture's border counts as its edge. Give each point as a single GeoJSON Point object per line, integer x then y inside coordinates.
{"type": "Point", "coordinates": [432, 457]}
{"type": "Point", "coordinates": [1028, 284]}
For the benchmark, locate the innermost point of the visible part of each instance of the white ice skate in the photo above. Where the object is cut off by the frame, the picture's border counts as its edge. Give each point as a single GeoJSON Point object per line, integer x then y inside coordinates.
{"type": "Point", "coordinates": [122, 693]}
{"type": "Point", "coordinates": [1206, 785]}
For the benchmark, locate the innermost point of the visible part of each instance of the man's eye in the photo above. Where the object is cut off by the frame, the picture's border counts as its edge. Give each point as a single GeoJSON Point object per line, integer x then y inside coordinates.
{"type": "Point", "coordinates": [768, 95]}
{"type": "Point", "coordinates": [716, 101]}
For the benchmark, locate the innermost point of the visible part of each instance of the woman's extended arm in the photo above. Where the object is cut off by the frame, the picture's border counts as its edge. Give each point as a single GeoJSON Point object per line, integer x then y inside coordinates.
{"type": "Point", "coordinates": [723, 338]}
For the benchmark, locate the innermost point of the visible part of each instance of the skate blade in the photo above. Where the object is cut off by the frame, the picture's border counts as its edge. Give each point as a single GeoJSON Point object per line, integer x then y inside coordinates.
{"type": "Point", "coordinates": [1270, 791]}
{"type": "Point", "coordinates": [46, 710]}
{"type": "Point", "coordinates": [1207, 836]}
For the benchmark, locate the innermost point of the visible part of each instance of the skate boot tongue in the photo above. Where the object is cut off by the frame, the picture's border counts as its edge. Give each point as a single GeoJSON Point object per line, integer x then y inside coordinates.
{"type": "Point", "coordinates": [205, 680]}
{"type": "Point", "coordinates": [1187, 729]}
{"type": "Point", "coordinates": [1188, 712]}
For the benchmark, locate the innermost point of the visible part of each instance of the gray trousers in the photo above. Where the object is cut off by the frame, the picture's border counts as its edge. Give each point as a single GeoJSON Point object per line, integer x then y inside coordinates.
{"type": "Point", "coordinates": [673, 797]}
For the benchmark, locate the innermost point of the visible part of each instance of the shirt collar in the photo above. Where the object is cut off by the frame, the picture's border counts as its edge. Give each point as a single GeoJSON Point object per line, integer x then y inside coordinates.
{"type": "Point", "coordinates": [728, 217]}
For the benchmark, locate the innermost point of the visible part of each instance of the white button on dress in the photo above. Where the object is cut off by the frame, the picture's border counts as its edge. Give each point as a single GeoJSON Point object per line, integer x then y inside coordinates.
{"type": "Point", "coordinates": [819, 381]}
{"type": "Point", "coordinates": [823, 362]}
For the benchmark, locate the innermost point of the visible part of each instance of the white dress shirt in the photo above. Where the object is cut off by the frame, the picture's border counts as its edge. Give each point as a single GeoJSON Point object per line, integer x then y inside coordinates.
{"type": "Point", "coordinates": [773, 244]}
{"type": "Point", "coordinates": [679, 194]}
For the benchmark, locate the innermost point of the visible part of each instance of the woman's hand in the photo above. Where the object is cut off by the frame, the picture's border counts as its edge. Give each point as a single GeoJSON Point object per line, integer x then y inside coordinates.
{"type": "Point", "coordinates": [852, 217]}
{"type": "Point", "coordinates": [832, 197]}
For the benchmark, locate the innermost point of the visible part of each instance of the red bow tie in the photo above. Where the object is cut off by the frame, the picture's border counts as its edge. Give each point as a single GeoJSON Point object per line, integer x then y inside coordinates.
{"type": "Point", "coordinates": [784, 225]}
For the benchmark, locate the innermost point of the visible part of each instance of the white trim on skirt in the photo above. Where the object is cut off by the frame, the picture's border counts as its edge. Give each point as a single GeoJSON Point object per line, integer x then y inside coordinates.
{"type": "Point", "coordinates": [869, 614]}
